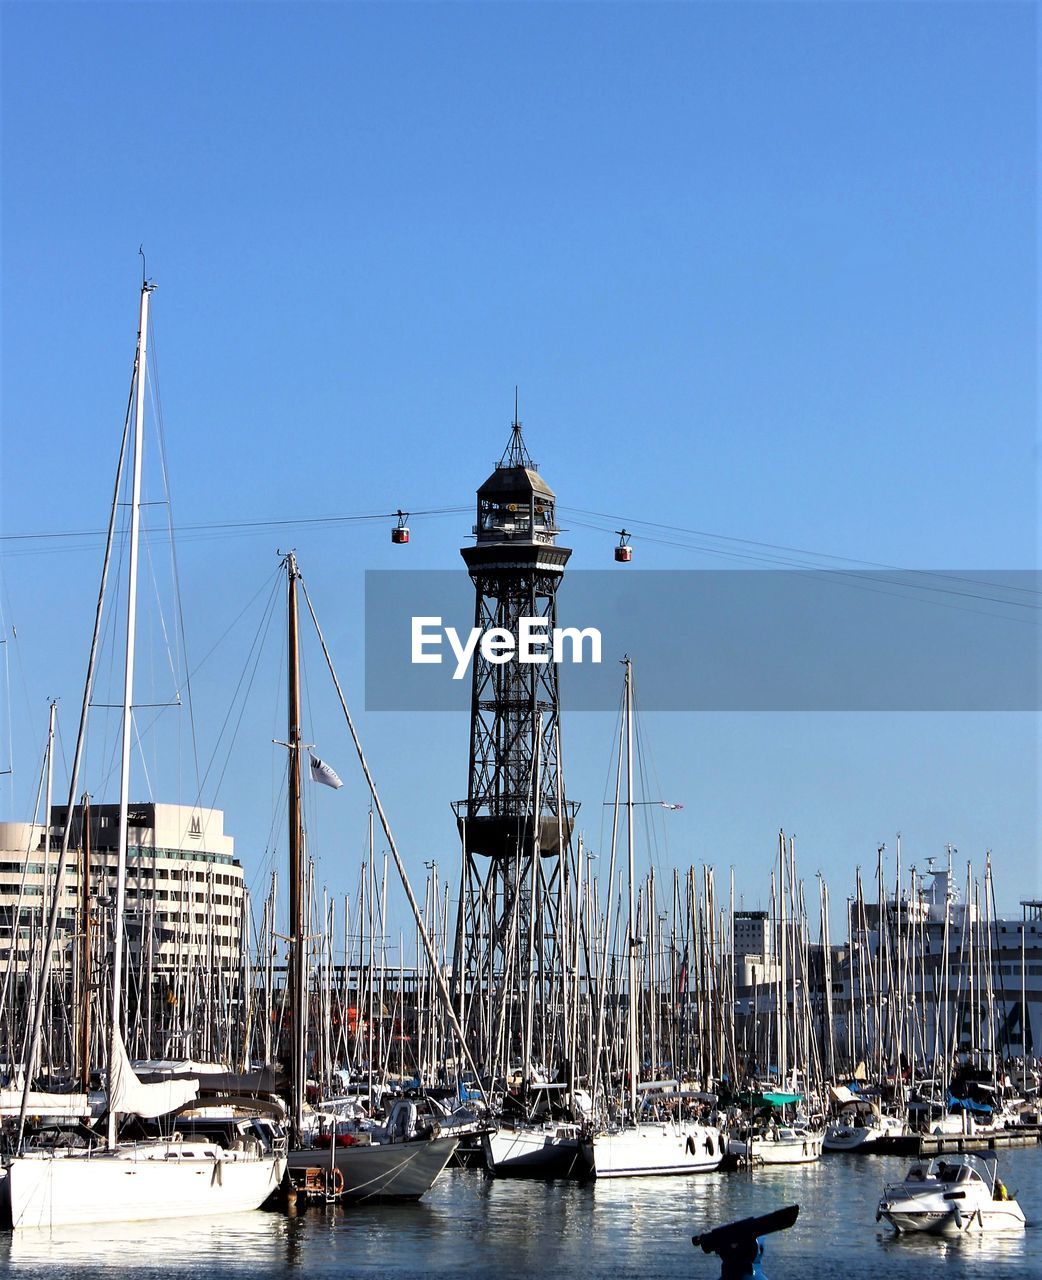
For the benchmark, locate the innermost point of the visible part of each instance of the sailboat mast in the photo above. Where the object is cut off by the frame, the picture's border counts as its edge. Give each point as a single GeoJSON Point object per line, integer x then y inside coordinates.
{"type": "Point", "coordinates": [33, 1053]}
{"type": "Point", "coordinates": [297, 969]}
{"type": "Point", "coordinates": [783, 974]}
{"type": "Point", "coordinates": [128, 687]}
{"type": "Point", "coordinates": [45, 990]}
{"type": "Point", "coordinates": [86, 945]}
{"type": "Point", "coordinates": [631, 1002]}
{"type": "Point", "coordinates": [371, 1011]}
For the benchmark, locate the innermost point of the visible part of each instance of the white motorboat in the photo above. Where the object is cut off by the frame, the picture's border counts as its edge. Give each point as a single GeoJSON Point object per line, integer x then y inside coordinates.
{"type": "Point", "coordinates": [951, 1195]}
{"type": "Point", "coordinates": [777, 1144]}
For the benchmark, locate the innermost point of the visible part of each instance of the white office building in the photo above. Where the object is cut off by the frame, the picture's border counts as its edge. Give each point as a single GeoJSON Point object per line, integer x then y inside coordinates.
{"type": "Point", "coordinates": [184, 886]}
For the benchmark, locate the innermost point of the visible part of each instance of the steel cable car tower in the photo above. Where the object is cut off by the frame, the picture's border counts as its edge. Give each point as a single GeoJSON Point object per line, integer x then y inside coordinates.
{"type": "Point", "coordinates": [515, 823]}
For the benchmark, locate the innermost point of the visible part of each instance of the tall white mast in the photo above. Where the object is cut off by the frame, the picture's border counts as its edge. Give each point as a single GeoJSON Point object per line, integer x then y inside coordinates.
{"type": "Point", "coordinates": [52, 714]}
{"type": "Point", "coordinates": [128, 690]}
{"type": "Point", "coordinates": [298, 958]}
{"type": "Point", "coordinates": [631, 1001]}
{"type": "Point", "coordinates": [783, 972]}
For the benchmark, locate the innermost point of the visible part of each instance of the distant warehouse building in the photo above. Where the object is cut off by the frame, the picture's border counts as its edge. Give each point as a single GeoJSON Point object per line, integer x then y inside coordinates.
{"type": "Point", "coordinates": [184, 898]}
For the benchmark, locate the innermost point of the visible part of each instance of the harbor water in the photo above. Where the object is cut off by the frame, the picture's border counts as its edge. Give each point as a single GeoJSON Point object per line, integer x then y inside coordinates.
{"type": "Point", "coordinates": [470, 1225]}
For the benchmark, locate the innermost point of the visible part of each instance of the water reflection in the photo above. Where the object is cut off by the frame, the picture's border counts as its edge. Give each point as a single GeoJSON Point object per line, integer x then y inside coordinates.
{"type": "Point", "coordinates": [972, 1251]}
{"type": "Point", "coordinates": [473, 1226]}
{"type": "Point", "coordinates": [144, 1249]}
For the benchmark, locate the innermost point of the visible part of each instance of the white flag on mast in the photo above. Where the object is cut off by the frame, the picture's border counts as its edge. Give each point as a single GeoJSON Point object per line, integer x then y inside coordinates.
{"type": "Point", "coordinates": [321, 772]}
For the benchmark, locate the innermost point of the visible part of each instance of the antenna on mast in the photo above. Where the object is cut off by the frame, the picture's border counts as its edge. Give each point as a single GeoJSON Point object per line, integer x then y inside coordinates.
{"type": "Point", "coordinates": [516, 454]}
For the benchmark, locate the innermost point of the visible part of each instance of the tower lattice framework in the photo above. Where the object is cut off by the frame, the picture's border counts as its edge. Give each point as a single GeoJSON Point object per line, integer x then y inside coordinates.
{"type": "Point", "coordinates": [515, 825]}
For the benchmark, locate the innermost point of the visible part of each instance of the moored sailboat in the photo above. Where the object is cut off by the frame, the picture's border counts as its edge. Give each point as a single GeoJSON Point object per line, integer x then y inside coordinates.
{"type": "Point", "coordinates": [551, 1149]}
{"type": "Point", "coordinates": [639, 1146]}
{"type": "Point", "coordinates": [363, 1160]}
{"type": "Point", "coordinates": [163, 1178]}
{"type": "Point", "coordinates": [863, 1129]}
{"type": "Point", "coordinates": [776, 1144]}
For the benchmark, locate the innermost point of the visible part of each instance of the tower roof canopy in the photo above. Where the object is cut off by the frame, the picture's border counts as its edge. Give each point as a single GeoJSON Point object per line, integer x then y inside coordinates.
{"type": "Point", "coordinates": [515, 482]}
{"type": "Point", "coordinates": [516, 476]}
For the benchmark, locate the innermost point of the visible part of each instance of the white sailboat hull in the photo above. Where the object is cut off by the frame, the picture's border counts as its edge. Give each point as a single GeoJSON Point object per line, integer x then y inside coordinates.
{"type": "Point", "coordinates": [658, 1148]}
{"type": "Point", "coordinates": [841, 1136]}
{"type": "Point", "coordinates": [801, 1148]}
{"type": "Point", "coordinates": [134, 1184]}
{"type": "Point", "coordinates": [534, 1151]}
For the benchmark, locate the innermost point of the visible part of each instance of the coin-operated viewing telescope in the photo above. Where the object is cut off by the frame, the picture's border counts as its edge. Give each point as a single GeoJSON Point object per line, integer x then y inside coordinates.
{"type": "Point", "coordinates": [739, 1245]}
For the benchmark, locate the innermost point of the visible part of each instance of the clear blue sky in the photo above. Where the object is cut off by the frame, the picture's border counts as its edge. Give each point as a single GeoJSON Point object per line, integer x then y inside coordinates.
{"type": "Point", "coordinates": [767, 271]}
